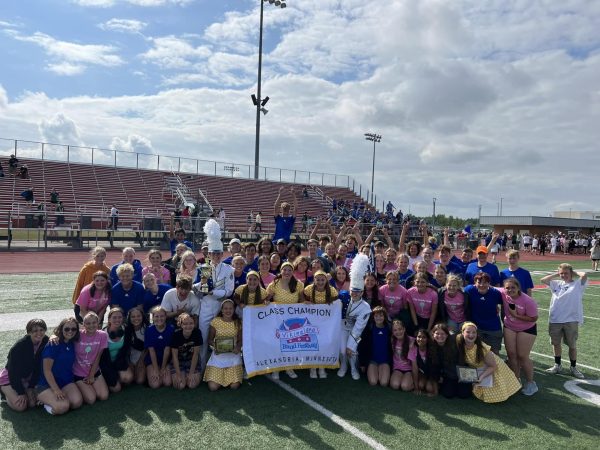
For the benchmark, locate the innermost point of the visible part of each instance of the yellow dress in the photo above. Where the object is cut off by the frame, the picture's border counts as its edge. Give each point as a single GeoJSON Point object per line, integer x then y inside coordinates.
{"type": "Point", "coordinates": [251, 295]}
{"type": "Point", "coordinates": [281, 295]}
{"type": "Point", "coordinates": [319, 295]}
{"type": "Point", "coordinates": [224, 368]}
{"type": "Point", "coordinates": [505, 382]}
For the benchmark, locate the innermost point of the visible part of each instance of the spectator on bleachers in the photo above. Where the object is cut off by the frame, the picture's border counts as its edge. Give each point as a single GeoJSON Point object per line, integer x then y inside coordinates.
{"type": "Point", "coordinates": [28, 195]}
{"type": "Point", "coordinates": [304, 192]}
{"type": "Point", "coordinates": [41, 216]}
{"type": "Point", "coordinates": [128, 258]}
{"type": "Point", "coordinates": [304, 222]}
{"type": "Point", "coordinates": [114, 220]}
{"type": "Point", "coordinates": [1, 170]}
{"type": "Point", "coordinates": [54, 197]}
{"type": "Point", "coordinates": [23, 172]}
{"type": "Point", "coordinates": [13, 163]}
{"type": "Point", "coordinates": [186, 216]}
{"type": "Point", "coordinates": [284, 216]}
{"type": "Point", "coordinates": [60, 214]}
{"type": "Point", "coordinates": [258, 222]}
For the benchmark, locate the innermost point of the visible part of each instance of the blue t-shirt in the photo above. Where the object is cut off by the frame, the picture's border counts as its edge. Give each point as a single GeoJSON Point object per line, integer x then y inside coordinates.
{"type": "Point", "coordinates": [380, 344]}
{"type": "Point", "coordinates": [151, 300]}
{"type": "Point", "coordinates": [484, 308]}
{"type": "Point", "coordinates": [137, 272]}
{"type": "Point", "coordinates": [489, 268]}
{"type": "Point", "coordinates": [460, 265]}
{"type": "Point", "coordinates": [522, 275]}
{"type": "Point", "coordinates": [405, 276]}
{"type": "Point", "coordinates": [175, 242]}
{"type": "Point", "coordinates": [283, 227]}
{"type": "Point", "coordinates": [158, 340]}
{"type": "Point", "coordinates": [252, 266]}
{"type": "Point", "coordinates": [63, 355]}
{"type": "Point", "coordinates": [127, 299]}
{"type": "Point", "coordinates": [238, 281]}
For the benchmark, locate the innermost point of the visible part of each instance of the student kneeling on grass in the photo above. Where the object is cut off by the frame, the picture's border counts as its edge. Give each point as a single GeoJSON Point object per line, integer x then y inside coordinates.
{"type": "Point", "coordinates": [156, 342]}
{"type": "Point", "coordinates": [114, 363]}
{"type": "Point", "coordinates": [56, 387]}
{"type": "Point", "coordinates": [224, 368]}
{"type": "Point", "coordinates": [375, 348]}
{"type": "Point", "coordinates": [185, 353]}
{"type": "Point", "coordinates": [473, 352]}
{"type": "Point", "coordinates": [22, 371]}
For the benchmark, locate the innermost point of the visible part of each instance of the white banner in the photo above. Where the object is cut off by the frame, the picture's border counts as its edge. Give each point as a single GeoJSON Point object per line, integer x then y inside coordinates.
{"type": "Point", "coordinates": [291, 336]}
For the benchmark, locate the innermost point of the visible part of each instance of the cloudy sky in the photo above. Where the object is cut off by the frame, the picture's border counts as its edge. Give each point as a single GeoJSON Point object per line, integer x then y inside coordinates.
{"type": "Point", "coordinates": [476, 100]}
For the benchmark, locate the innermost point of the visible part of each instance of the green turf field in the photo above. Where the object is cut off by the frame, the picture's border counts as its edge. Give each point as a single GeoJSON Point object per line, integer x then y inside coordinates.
{"type": "Point", "coordinates": [262, 414]}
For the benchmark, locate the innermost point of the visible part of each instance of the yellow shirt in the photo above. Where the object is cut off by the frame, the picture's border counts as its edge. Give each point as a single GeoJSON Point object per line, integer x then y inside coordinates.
{"type": "Point", "coordinates": [251, 295]}
{"type": "Point", "coordinates": [319, 295]}
{"type": "Point", "coordinates": [86, 276]}
{"type": "Point", "coordinates": [281, 295]}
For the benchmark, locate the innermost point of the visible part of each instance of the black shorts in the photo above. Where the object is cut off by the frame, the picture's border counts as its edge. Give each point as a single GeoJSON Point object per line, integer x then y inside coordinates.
{"type": "Point", "coordinates": [77, 378]}
{"type": "Point", "coordinates": [532, 330]}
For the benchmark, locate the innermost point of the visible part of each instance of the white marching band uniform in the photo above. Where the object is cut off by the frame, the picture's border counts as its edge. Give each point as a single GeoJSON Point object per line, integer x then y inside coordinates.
{"type": "Point", "coordinates": [355, 316]}
{"type": "Point", "coordinates": [223, 282]}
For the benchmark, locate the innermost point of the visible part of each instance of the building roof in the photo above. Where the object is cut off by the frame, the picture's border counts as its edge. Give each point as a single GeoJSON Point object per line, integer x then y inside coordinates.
{"type": "Point", "coordinates": [540, 221]}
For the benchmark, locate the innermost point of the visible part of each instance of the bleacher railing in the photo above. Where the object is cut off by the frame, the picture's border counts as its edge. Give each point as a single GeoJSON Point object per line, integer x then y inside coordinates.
{"type": "Point", "coordinates": [117, 158]}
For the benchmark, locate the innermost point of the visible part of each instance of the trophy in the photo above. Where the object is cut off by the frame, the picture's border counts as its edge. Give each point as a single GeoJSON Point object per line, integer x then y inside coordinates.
{"type": "Point", "coordinates": [206, 282]}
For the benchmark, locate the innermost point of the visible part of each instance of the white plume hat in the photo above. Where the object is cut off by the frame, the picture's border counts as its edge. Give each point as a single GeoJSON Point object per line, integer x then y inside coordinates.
{"type": "Point", "coordinates": [213, 236]}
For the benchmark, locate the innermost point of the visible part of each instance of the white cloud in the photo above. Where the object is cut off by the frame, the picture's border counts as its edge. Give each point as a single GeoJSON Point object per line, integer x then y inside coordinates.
{"type": "Point", "coordinates": [475, 101]}
{"type": "Point", "coordinates": [123, 25]}
{"type": "Point", "coordinates": [60, 129]}
{"type": "Point", "coordinates": [3, 97]}
{"type": "Point", "coordinates": [71, 58]}
{"type": "Point", "coordinates": [109, 3]}
{"type": "Point", "coordinates": [171, 52]}
{"type": "Point", "coordinates": [134, 143]}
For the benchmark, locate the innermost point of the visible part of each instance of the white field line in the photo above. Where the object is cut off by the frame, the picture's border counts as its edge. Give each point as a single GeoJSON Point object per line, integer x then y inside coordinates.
{"type": "Point", "coordinates": [585, 317]}
{"type": "Point", "coordinates": [330, 415]}
{"type": "Point", "coordinates": [578, 364]}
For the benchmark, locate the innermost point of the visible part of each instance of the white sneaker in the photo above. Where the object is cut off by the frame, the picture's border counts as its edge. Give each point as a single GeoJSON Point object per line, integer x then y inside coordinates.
{"type": "Point", "coordinates": [313, 373]}
{"type": "Point", "coordinates": [275, 376]}
{"type": "Point", "coordinates": [48, 409]}
{"type": "Point", "coordinates": [355, 374]}
{"type": "Point", "coordinates": [322, 373]}
{"type": "Point", "coordinates": [556, 368]}
{"type": "Point", "coordinates": [530, 388]}
{"type": "Point", "coordinates": [342, 371]}
{"type": "Point", "coordinates": [577, 373]}
{"type": "Point", "coordinates": [291, 374]}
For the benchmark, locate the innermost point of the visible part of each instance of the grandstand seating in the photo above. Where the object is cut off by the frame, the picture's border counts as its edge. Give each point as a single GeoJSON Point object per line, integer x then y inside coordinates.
{"type": "Point", "coordinates": [90, 190]}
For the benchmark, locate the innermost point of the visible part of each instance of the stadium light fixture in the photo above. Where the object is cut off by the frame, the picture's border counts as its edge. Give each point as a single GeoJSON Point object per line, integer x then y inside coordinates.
{"type": "Point", "coordinates": [375, 138]}
{"type": "Point", "coordinates": [257, 100]}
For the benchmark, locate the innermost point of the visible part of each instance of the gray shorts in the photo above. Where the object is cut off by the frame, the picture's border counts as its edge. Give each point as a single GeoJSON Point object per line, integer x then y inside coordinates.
{"type": "Point", "coordinates": [492, 338]}
{"type": "Point", "coordinates": [569, 332]}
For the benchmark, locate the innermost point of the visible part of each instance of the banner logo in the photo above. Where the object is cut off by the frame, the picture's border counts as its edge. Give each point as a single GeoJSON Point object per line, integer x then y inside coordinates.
{"type": "Point", "coordinates": [297, 334]}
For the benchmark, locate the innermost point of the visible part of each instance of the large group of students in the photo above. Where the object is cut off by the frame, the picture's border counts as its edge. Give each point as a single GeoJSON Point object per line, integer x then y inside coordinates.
{"type": "Point", "coordinates": [410, 321]}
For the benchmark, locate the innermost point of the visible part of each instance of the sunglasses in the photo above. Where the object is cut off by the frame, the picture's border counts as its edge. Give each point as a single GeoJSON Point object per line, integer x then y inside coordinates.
{"type": "Point", "coordinates": [70, 329]}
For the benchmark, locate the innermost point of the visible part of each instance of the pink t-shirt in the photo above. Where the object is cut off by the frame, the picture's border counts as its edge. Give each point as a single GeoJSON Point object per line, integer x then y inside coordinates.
{"type": "Point", "coordinates": [393, 301]}
{"type": "Point", "coordinates": [524, 306]}
{"type": "Point", "coordinates": [412, 354]}
{"type": "Point", "coordinates": [390, 267]}
{"type": "Point", "coordinates": [89, 303]}
{"type": "Point", "coordinates": [455, 306]}
{"type": "Point", "coordinates": [401, 363]}
{"type": "Point", "coordinates": [86, 350]}
{"type": "Point", "coordinates": [422, 303]}
{"type": "Point", "coordinates": [162, 274]}
{"type": "Point", "coordinates": [267, 278]}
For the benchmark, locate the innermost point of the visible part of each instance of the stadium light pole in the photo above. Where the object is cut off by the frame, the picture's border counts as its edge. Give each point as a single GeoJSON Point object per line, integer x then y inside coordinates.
{"type": "Point", "coordinates": [258, 101]}
{"type": "Point", "coordinates": [375, 138]}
